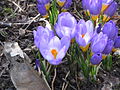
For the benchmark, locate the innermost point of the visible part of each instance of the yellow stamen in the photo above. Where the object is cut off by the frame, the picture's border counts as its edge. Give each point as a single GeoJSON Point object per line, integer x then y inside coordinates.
{"type": "Point", "coordinates": [104, 7]}
{"type": "Point", "coordinates": [61, 3]}
{"type": "Point", "coordinates": [47, 6]}
{"type": "Point", "coordinates": [114, 49]}
{"type": "Point", "coordinates": [73, 40]}
{"type": "Point", "coordinates": [46, 16]}
{"type": "Point", "coordinates": [104, 56]}
{"type": "Point", "coordinates": [105, 18]}
{"type": "Point", "coordinates": [54, 53]}
{"type": "Point", "coordinates": [84, 49]}
{"type": "Point", "coordinates": [64, 10]}
{"type": "Point", "coordinates": [94, 17]}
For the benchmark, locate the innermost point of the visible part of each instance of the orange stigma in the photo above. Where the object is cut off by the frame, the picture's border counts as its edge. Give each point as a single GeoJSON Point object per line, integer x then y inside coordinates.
{"type": "Point", "coordinates": [83, 35]}
{"type": "Point", "coordinates": [54, 53]}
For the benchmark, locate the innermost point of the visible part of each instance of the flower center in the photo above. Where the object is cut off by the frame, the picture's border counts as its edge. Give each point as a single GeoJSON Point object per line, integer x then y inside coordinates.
{"type": "Point", "coordinates": [83, 35]}
{"type": "Point", "coordinates": [54, 53]}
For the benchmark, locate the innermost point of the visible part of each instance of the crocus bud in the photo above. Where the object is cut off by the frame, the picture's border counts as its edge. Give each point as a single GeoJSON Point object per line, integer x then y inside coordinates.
{"type": "Point", "coordinates": [110, 30]}
{"type": "Point", "coordinates": [67, 5]}
{"type": "Point", "coordinates": [66, 26]}
{"type": "Point", "coordinates": [105, 4]}
{"type": "Point", "coordinates": [96, 58]}
{"type": "Point", "coordinates": [99, 43]}
{"type": "Point", "coordinates": [95, 8]}
{"type": "Point", "coordinates": [43, 6]}
{"type": "Point", "coordinates": [110, 11]}
{"type": "Point", "coordinates": [42, 10]}
{"type": "Point", "coordinates": [46, 3]}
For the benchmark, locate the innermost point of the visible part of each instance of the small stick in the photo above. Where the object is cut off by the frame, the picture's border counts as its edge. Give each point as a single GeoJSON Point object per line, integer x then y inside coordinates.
{"type": "Point", "coordinates": [53, 79]}
{"type": "Point", "coordinates": [63, 86]}
{"type": "Point", "coordinates": [16, 5]}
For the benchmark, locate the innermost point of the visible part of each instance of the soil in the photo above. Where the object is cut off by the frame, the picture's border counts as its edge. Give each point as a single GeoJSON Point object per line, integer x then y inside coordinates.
{"type": "Point", "coordinates": [18, 27]}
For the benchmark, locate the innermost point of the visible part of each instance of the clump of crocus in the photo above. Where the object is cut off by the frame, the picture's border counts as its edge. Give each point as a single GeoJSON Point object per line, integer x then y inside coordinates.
{"type": "Point", "coordinates": [51, 47]}
{"type": "Point", "coordinates": [84, 34]}
{"type": "Point", "coordinates": [95, 8]}
{"type": "Point", "coordinates": [55, 50]}
{"type": "Point", "coordinates": [43, 6]}
{"type": "Point", "coordinates": [66, 25]}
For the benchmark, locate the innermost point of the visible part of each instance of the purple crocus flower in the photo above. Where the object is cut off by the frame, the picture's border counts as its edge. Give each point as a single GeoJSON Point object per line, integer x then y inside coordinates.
{"type": "Point", "coordinates": [93, 7]}
{"type": "Point", "coordinates": [117, 42]}
{"type": "Point", "coordinates": [110, 11]}
{"type": "Point", "coordinates": [110, 29]}
{"type": "Point", "coordinates": [96, 58]}
{"type": "Point", "coordinates": [99, 43]}
{"type": "Point", "coordinates": [67, 5]}
{"type": "Point", "coordinates": [43, 6]}
{"type": "Point", "coordinates": [42, 10]}
{"type": "Point", "coordinates": [61, 2]}
{"type": "Point", "coordinates": [43, 34]}
{"type": "Point", "coordinates": [84, 33]}
{"type": "Point", "coordinates": [108, 47]}
{"type": "Point", "coordinates": [66, 25]}
{"type": "Point", "coordinates": [54, 51]}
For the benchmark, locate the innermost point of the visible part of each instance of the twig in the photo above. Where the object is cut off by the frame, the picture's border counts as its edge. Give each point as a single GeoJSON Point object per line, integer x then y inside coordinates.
{"type": "Point", "coordinates": [53, 79]}
{"type": "Point", "coordinates": [66, 86]}
{"type": "Point", "coordinates": [32, 20]}
{"type": "Point", "coordinates": [16, 5]}
{"type": "Point", "coordinates": [63, 86]}
{"type": "Point", "coordinates": [73, 88]}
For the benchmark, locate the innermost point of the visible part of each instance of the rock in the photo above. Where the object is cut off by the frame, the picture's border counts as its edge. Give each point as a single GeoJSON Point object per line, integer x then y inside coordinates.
{"type": "Point", "coordinates": [23, 76]}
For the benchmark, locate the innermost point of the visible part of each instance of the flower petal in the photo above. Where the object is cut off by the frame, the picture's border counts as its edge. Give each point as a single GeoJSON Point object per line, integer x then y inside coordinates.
{"type": "Point", "coordinates": [55, 43]}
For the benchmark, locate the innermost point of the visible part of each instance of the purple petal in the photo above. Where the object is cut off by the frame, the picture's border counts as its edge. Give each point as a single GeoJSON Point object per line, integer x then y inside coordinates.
{"type": "Point", "coordinates": [55, 43]}
{"type": "Point", "coordinates": [65, 41]}
{"type": "Point", "coordinates": [110, 11]}
{"type": "Point", "coordinates": [110, 29]}
{"type": "Point", "coordinates": [108, 47]}
{"type": "Point", "coordinates": [61, 54]}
